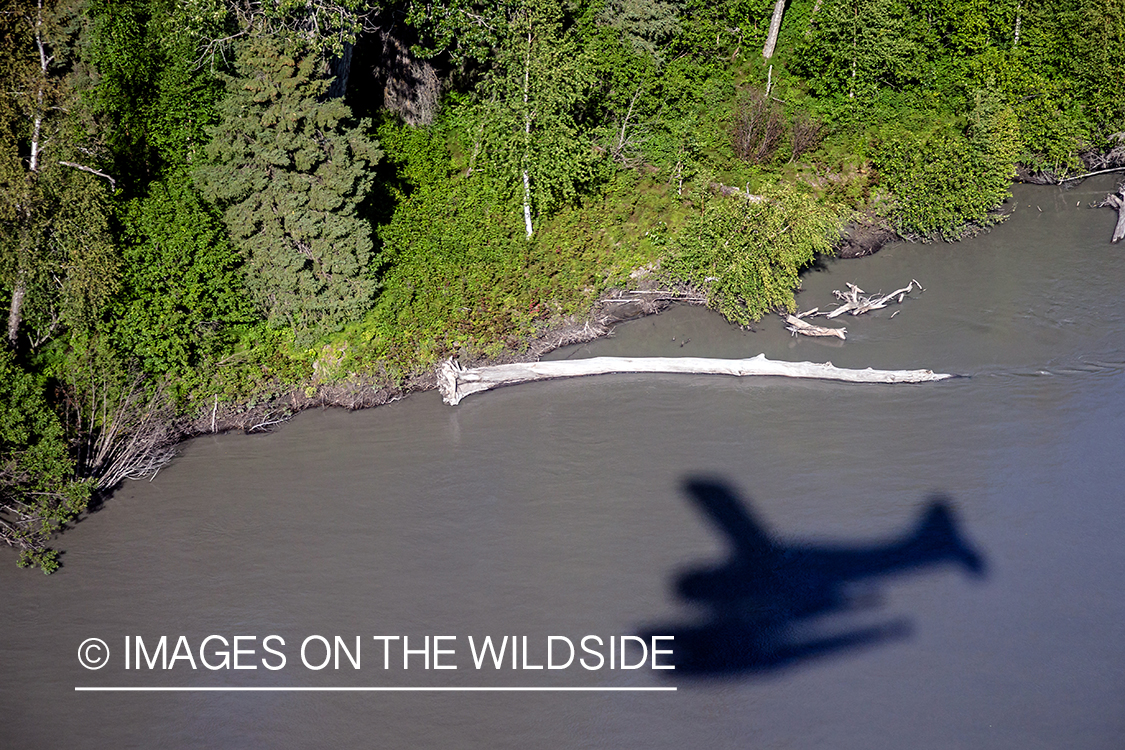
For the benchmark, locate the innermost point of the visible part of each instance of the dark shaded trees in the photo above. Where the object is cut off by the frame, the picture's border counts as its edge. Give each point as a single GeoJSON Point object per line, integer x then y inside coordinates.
{"type": "Point", "coordinates": [38, 488]}
{"type": "Point", "coordinates": [290, 171]}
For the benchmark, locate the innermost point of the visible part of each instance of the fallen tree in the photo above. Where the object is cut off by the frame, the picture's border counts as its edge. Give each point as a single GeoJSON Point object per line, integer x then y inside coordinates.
{"type": "Point", "coordinates": [856, 305]}
{"type": "Point", "coordinates": [1118, 202]}
{"type": "Point", "coordinates": [456, 382]}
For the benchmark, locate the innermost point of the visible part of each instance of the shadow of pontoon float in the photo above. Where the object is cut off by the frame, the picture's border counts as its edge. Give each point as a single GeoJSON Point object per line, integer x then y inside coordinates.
{"type": "Point", "coordinates": [774, 605]}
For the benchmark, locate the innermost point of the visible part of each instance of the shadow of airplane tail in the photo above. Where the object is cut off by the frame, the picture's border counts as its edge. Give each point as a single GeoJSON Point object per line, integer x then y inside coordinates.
{"type": "Point", "coordinates": [937, 538]}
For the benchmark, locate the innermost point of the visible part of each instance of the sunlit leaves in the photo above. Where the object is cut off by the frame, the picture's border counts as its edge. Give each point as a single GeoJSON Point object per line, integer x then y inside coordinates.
{"type": "Point", "coordinates": [746, 254]}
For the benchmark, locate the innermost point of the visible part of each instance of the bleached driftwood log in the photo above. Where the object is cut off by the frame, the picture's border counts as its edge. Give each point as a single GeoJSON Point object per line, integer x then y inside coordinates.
{"type": "Point", "coordinates": [455, 382]}
{"type": "Point", "coordinates": [857, 305]}
{"type": "Point", "coordinates": [795, 325]}
{"type": "Point", "coordinates": [1118, 202]}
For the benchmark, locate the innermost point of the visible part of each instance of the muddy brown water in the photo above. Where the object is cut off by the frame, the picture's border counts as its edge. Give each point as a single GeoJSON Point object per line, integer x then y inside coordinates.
{"type": "Point", "coordinates": [768, 525]}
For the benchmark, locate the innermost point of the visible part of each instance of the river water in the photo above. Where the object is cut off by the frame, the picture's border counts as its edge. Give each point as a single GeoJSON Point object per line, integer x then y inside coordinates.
{"type": "Point", "coordinates": [841, 566]}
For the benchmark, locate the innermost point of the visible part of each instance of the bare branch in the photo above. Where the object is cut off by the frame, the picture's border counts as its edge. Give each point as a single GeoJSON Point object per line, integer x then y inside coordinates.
{"type": "Point", "coordinates": [91, 170]}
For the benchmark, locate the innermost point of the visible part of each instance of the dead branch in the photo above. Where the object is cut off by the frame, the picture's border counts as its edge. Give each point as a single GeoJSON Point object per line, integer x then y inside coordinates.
{"type": "Point", "coordinates": [1091, 174]}
{"type": "Point", "coordinates": [127, 436]}
{"type": "Point", "coordinates": [268, 422]}
{"type": "Point", "coordinates": [91, 170]}
{"type": "Point", "coordinates": [1118, 202]}
{"type": "Point", "coordinates": [857, 305]}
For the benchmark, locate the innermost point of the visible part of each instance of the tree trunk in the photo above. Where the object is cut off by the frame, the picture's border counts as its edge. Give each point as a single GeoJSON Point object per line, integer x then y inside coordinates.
{"type": "Point", "coordinates": [526, 141]}
{"type": "Point", "coordinates": [775, 27]}
{"type": "Point", "coordinates": [44, 65]}
{"type": "Point", "coordinates": [456, 383]}
{"type": "Point", "coordinates": [340, 68]}
{"type": "Point", "coordinates": [15, 312]}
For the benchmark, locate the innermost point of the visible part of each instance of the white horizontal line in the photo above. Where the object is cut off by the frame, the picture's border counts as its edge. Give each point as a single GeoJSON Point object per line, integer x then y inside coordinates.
{"type": "Point", "coordinates": [512, 689]}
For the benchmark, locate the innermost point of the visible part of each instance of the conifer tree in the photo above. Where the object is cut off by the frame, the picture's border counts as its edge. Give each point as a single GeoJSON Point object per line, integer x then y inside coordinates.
{"type": "Point", "coordinates": [290, 173]}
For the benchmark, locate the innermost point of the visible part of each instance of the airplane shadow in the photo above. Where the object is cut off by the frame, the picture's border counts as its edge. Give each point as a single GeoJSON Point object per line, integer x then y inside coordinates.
{"type": "Point", "coordinates": [773, 605]}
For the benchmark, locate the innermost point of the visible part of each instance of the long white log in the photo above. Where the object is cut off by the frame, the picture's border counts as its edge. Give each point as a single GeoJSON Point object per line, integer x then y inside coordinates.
{"type": "Point", "coordinates": [455, 382]}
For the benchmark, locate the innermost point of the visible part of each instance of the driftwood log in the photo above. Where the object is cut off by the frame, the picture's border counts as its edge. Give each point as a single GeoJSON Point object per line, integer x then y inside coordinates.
{"type": "Point", "coordinates": [455, 382]}
{"type": "Point", "coordinates": [795, 325]}
{"type": "Point", "coordinates": [1118, 202]}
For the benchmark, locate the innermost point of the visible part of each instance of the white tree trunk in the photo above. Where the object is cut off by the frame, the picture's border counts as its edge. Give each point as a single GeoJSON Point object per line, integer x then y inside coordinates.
{"type": "Point", "coordinates": [455, 383]}
{"type": "Point", "coordinates": [526, 204]}
{"type": "Point", "coordinates": [526, 141]}
{"type": "Point", "coordinates": [775, 28]}
{"type": "Point", "coordinates": [15, 311]}
{"type": "Point", "coordinates": [44, 64]}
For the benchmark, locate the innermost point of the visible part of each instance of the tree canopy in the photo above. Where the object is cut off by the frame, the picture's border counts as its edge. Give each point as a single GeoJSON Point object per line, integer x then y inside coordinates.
{"type": "Point", "coordinates": [194, 223]}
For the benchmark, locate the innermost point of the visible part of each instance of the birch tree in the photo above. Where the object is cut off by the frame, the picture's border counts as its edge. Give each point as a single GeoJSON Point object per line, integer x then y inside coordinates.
{"type": "Point", "coordinates": [56, 257]}
{"type": "Point", "coordinates": [537, 94]}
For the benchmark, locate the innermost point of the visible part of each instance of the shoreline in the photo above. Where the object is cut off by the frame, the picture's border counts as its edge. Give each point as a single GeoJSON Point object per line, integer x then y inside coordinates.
{"type": "Point", "coordinates": [860, 238]}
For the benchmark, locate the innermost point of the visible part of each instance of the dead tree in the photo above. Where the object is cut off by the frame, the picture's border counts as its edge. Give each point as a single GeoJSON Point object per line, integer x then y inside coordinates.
{"type": "Point", "coordinates": [795, 325]}
{"type": "Point", "coordinates": [411, 86]}
{"type": "Point", "coordinates": [775, 28]}
{"type": "Point", "coordinates": [455, 382]}
{"type": "Point", "coordinates": [857, 305]}
{"type": "Point", "coordinates": [1116, 201]}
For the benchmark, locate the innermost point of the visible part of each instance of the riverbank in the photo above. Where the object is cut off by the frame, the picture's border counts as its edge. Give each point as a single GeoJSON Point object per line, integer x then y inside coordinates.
{"type": "Point", "coordinates": [647, 295]}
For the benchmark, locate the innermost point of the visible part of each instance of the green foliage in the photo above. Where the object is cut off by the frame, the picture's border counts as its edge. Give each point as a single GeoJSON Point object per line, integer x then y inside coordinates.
{"type": "Point", "coordinates": [1098, 62]}
{"type": "Point", "coordinates": [531, 108]}
{"type": "Point", "coordinates": [746, 255]}
{"type": "Point", "coordinates": [646, 25]}
{"type": "Point", "coordinates": [456, 246]}
{"type": "Point", "coordinates": [214, 182]}
{"type": "Point", "coordinates": [183, 292]}
{"type": "Point", "coordinates": [38, 490]}
{"type": "Point", "coordinates": [945, 180]}
{"type": "Point", "coordinates": [859, 46]}
{"type": "Point", "coordinates": [467, 31]}
{"type": "Point", "coordinates": [324, 28]}
{"type": "Point", "coordinates": [150, 86]}
{"type": "Point", "coordinates": [290, 172]}
{"type": "Point", "coordinates": [464, 277]}
{"type": "Point", "coordinates": [61, 249]}
{"type": "Point", "coordinates": [55, 244]}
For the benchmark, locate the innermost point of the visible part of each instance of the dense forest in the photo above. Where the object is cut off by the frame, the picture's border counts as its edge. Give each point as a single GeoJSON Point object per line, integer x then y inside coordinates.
{"type": "Point", "coordinates": [208, 206]}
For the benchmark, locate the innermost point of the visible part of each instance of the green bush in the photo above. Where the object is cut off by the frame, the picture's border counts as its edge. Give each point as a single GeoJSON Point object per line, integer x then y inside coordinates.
{"type": "Point", "coordinates": [747, 254]}
{"type": "Point", "coordinates": [943, 180]}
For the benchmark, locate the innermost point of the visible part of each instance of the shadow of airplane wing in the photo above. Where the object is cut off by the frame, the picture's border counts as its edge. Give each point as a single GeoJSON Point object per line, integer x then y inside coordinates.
{"type": "Point", "coordinates": [748, 538]}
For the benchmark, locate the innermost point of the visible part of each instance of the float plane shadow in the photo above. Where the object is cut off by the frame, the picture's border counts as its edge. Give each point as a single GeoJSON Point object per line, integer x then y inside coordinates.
{"type": "Point", "coordinates": [774, 605]}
